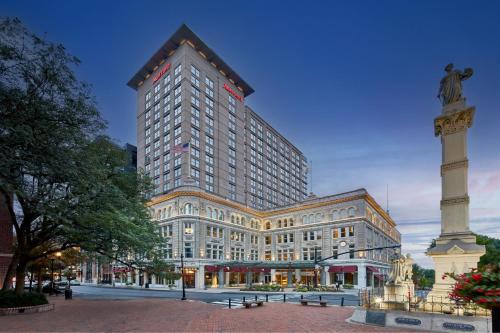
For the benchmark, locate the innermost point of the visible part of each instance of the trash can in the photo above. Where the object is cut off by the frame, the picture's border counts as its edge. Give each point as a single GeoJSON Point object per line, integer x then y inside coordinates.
{"type": "Point", "coordinates": [68, 294]}
{"type": "Point", "coordinates": [147, 285]}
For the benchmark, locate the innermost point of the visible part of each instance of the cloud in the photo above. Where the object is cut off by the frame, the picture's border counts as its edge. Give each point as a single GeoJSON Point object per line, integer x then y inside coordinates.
{"type": "Point", "coordinates": [418, 234]}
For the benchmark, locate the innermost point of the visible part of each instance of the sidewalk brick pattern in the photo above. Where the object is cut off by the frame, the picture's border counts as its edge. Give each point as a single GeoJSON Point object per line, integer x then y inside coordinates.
{"type": "Point", "coordinates": [159, 315]}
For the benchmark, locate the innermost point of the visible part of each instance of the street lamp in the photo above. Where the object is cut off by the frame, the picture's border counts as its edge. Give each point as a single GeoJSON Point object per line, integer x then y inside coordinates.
{"type": "Point", "coordinates": [182, 275]}
{"type": "Point", "coordinates": [316, 267]}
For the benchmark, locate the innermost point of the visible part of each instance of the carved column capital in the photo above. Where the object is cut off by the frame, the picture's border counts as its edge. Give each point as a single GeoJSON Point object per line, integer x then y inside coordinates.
{"type": "Point", "coordinates": [454, 122]}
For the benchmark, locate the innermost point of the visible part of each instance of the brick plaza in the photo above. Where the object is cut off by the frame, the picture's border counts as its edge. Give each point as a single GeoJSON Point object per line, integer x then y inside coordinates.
{"type": "Point", "coordinates": [155, 315]}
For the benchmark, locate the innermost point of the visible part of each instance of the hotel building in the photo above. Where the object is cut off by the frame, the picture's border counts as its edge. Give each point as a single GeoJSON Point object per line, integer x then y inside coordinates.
{"type": "Point", "coordinates": [234, 201]}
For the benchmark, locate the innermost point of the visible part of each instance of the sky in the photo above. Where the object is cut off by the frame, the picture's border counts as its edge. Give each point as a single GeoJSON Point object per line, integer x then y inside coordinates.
{"type": "Point", "coordinates": [352, 84]}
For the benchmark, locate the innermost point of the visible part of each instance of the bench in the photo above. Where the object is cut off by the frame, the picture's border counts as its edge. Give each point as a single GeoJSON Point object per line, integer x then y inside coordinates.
{"type": "Point", "coordinates": [248, 304]}
{"type": "Point", "coordinates": [306, 302]}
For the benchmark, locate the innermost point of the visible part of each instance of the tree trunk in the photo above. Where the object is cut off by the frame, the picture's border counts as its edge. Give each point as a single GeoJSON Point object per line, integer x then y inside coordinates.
{"type": "Point", "coordinates": [39, 278]}
{"type": "Point", "coordinates": [20, 274]}
{"type": "Point", "coordinates": [495, 319]}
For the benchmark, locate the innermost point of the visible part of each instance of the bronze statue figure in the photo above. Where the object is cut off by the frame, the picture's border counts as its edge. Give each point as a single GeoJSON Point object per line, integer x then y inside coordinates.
{"type": "Point", "coordinates": [450, 89]}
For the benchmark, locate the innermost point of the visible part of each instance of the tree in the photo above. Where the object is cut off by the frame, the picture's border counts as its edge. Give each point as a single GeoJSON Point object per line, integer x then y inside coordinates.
{"type": "Point", "coordinates": [66, 184]}
{"type": "Point", "coordinates": [492, 255]}
{"type": "Point", "coordinates": [422, 277]}
{"type": "Point", "coordinates": [481, 287]}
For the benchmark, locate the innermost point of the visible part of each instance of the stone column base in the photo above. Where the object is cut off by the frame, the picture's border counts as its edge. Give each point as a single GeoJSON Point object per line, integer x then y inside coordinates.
{"type": "Point", "coordinates": [452, 255]}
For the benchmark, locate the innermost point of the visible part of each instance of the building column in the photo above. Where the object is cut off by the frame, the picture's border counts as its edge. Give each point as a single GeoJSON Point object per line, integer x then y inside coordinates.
{"type": "Point", "coordinates": [200, 277]}
{"type": "Point", "coordinates": [361, 276]}
{"type": "Point", "coordinates": [289, 279]}
{"type": "Point", "coordinates": [137, 278]}
{"type": "Point", "coordinates": [129, 277]}
{"type": "Point", "coordinates": [322, 277]}
{"type": "Point", "coordinates": [327, 276]}
{"type": "Point", "coordinates": [249, 279]}
{"type": "Point", "coordinates": [153, 279]}
{"type": "Point", "coordinates": [220, 278]}
{"type": "Point", "coordinates": [298, 276]}
{"type": "Point", "coordinates": [226, 281]}
{"type": "Point", "coordinates": [273, 275]}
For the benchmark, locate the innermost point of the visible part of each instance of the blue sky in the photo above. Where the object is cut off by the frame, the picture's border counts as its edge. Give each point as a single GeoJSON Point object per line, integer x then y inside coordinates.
{"type": "Point", "coordinates": [352, 84]}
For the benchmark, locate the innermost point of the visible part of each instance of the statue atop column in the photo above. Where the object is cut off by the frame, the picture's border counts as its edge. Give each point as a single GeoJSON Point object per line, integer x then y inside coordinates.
{"type": "Point", "coordinates": [450, 88]}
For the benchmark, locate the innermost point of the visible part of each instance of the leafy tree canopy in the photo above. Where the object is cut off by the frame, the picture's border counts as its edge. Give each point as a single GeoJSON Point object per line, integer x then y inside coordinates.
{"type": "Point", "coordinates": [66, 184]}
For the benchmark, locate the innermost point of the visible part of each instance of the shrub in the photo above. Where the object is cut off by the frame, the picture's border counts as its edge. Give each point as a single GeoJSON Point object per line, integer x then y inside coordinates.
{"type": "Point", "coordinates": [9, 299]}
{"type": "Point", "coordinates": [347, 286]}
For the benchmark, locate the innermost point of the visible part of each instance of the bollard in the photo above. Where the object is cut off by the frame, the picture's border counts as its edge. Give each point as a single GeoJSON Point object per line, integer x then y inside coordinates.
{"type": "Point", "coordinates": [255, 297]}
{"type": "Point", "coordinates": [342, 301]}
{"type": "Point", "coordinates": [267, 299]}
{"type": "Point", "coordinates": [284, 298]}
{"type": "Point", "coordinates": [230, 303]}
{"type": "Point", "coordinates": [243, 299]}
{"type": "Point", "coordinates": [320, 297]}
{"type": "Point", "coordinates": [301, 296]}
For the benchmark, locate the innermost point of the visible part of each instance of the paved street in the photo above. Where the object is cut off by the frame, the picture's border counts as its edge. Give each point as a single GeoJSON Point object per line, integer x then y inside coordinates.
{"type": "Point", "coordinates": [169, 315]}
{"type": "Point", "coordinates": [91, 292]}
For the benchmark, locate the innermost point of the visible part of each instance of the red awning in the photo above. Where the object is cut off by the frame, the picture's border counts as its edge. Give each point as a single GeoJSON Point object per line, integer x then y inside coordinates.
{"type": "Point", "coordinates": [343, 269]}
{"type": "Point", "coordinates": [378, 276]}
{"type": "Point", "coordinates": [210, 268]}
{"type": "Point", "coordinates": [372, 269]}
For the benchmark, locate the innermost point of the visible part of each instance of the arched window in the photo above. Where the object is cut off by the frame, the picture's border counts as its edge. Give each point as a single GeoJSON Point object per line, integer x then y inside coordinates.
{"type": "Point", "coordinates": [279, 223]}
{"type": "Point", "coordinates": [285, 223]}
{"type": "Point", "coordinates": [169, 212]}
{"type": "Point", "coordinates": [351, 212]}
{"type": "Point", "coordinates": [237, 220]}
{"type": "Point", "coordinates": [221, 216]}
{"type": "Point", "coordinates": [311, 218]}
{"type": "Point", "coordinates": [335, 215]}
{"type": "Point", "coordinates": [209, 212]}
{"type": "Point", "coordinates": [268, 225]}
{"type": "Point", "coordinates": [163, 213]}
{"type": "Point", "coordinates": [188, 209]}
{"type": "Point", "coordinates": [291, 222]}
{"type": "Point", "coordinates": [232, 219]}
{"type": "Point", "coordinates": [216, 214]}
{"type": "Point", "coordinates": [158, 214]}
{"type": "Point", "coordinates": [304, 219]}
{"type": "Point", "coordinates": [242, 220]}
{"type": "Point", "coordinates": [343, 213]}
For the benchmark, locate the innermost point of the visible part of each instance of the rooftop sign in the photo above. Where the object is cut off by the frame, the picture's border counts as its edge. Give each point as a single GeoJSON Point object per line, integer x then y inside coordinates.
{"type": "Point", "coordinates": [160, 74]}
{"type": "Point", "coordinates": [231, 91]}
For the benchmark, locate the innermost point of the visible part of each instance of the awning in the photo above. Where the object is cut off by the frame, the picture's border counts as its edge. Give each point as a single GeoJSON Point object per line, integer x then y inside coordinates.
{"type": "Point", "coordinates": [378, 276]}
{"type": "Point", "coordinates": [372, 269]}
{"type": "Point", "coordinates": [343, 269]}
{"type": "Point", "coordinates": [210, 268]}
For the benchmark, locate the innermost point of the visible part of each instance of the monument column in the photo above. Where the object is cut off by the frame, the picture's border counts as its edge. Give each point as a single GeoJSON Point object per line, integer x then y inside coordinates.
{"type": "Point", "coordinates": [455, 250]}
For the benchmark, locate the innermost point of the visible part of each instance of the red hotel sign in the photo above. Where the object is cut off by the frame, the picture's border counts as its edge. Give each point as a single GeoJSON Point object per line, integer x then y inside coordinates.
{"type": "Point", "coordinates": [228, 88]}
{"type": "Point", "coordinates": [160, 74]}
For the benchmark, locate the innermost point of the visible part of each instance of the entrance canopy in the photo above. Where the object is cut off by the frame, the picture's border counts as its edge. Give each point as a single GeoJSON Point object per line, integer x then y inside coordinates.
{"type": "Point", "coordinates": [343, 269]}
{"type": "Point", "coordinates": [372, 269]}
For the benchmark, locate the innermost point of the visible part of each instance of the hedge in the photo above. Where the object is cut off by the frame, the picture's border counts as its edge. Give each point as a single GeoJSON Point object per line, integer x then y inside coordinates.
{"type": "Point", "coordinates": [9, 299]}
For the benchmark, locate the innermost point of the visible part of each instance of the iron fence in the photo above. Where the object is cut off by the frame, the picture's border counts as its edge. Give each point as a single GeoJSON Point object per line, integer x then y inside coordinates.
{"type": "Point", "coordinates": [373, 299]}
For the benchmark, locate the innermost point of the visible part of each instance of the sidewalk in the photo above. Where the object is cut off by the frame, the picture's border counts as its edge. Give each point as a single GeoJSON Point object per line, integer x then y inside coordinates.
{"type": "Point", "coordinates": [162, 315]}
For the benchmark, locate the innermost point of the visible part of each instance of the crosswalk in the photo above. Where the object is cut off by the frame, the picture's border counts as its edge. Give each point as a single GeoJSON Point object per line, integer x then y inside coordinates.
{"type": "Point", "coordinates": [237, 303]}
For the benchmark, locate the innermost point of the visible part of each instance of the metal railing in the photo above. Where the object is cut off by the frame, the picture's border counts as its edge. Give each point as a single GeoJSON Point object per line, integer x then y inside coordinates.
{"type": "Point", "coordinates": [373, 300]}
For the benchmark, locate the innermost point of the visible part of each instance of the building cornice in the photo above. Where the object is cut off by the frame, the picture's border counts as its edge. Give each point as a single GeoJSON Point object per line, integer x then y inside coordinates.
{"type": "Point", "coordinates": [267, 214]}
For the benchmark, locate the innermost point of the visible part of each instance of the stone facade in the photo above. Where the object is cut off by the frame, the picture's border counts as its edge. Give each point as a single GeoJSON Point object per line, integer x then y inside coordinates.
{"type": "Point", "coordinates": [225, 243]}
{"type": "Point", "coordinates": [193, 97]}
